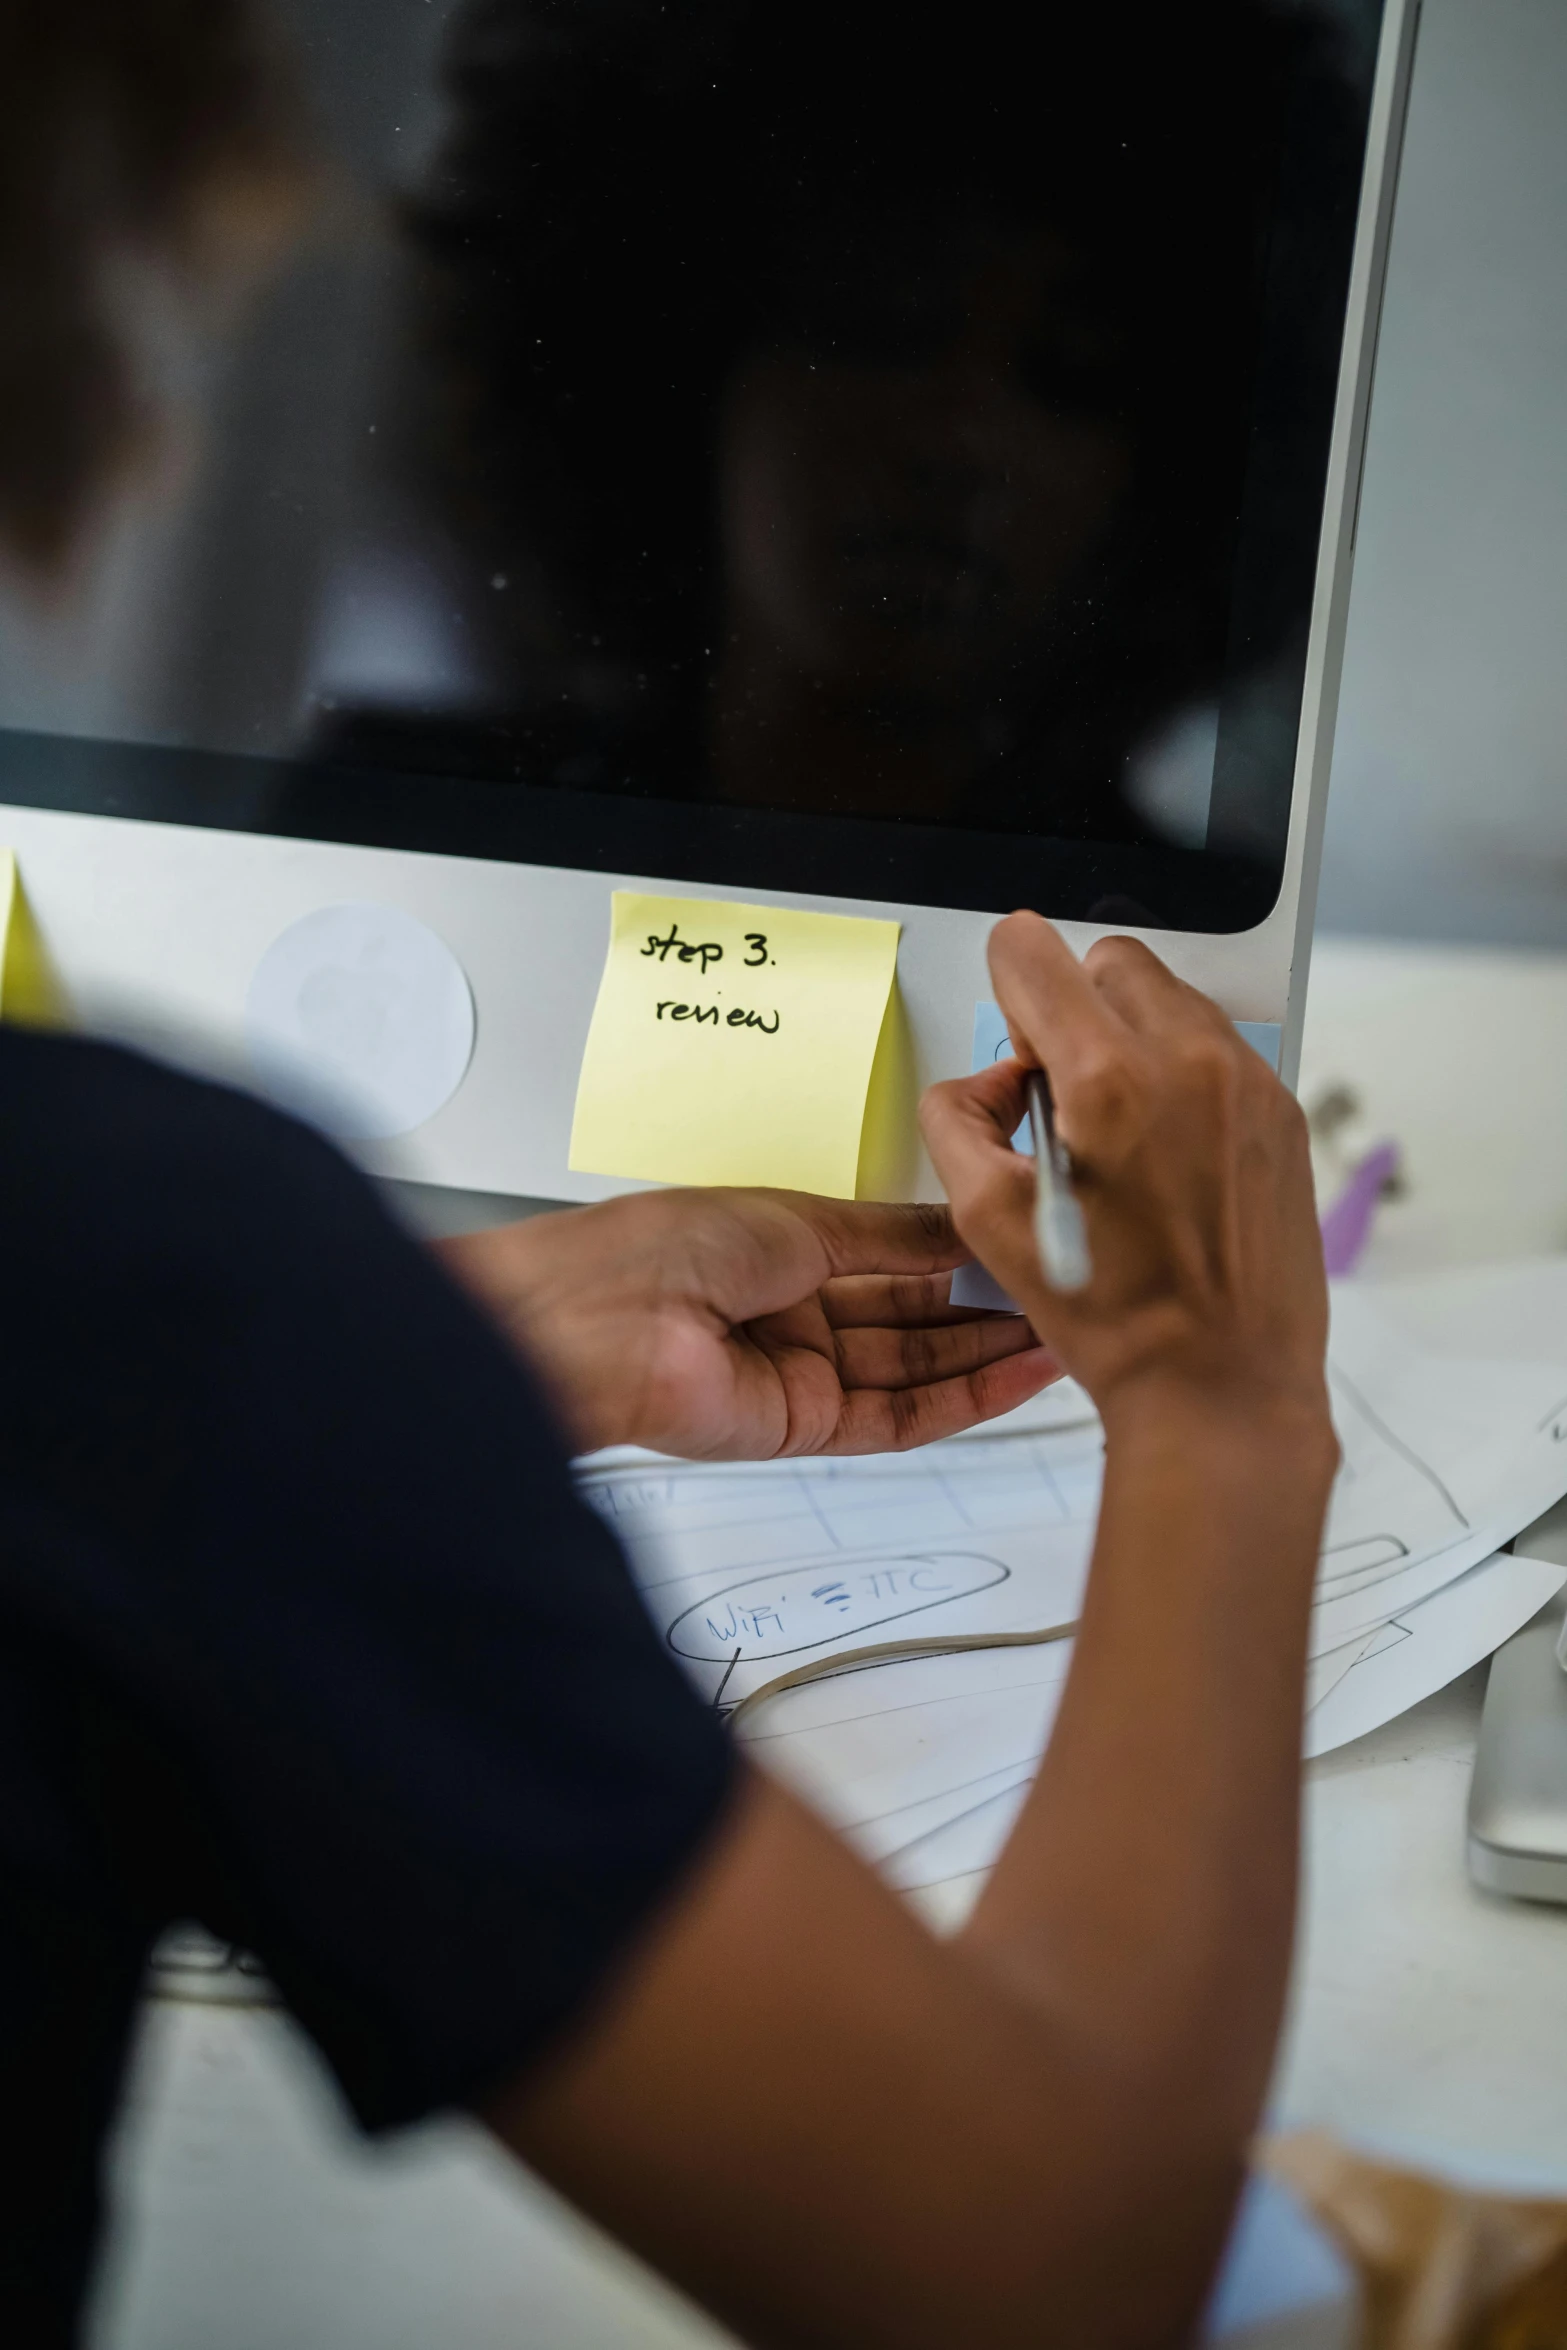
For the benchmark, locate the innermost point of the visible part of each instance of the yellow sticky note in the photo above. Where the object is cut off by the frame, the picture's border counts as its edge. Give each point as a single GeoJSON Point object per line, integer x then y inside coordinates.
{"type": "Point", "coordinates": [30, 990]}
{"type": "Point", "coordinates": [732, 1044]}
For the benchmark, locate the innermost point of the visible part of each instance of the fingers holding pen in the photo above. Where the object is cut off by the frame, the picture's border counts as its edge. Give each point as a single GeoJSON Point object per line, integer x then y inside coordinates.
{"type": "Point", "coordinates": [1189, 1165]}
{"type": "Point", "coordinates": [1116, 1031]}
{"type": "Point", "coordinates": [968, 1125]}
{"type": "Point", "coordinates": [1110, 1033]}
{"type": "Point", "coordinates": [1084, 1023]}
{"type": "Point", "coordinates": [1053, 1008]}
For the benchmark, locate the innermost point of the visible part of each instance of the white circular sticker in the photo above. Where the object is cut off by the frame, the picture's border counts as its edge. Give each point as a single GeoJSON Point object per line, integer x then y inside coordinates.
{"type": "Point", "coordinates": [360, 1019]}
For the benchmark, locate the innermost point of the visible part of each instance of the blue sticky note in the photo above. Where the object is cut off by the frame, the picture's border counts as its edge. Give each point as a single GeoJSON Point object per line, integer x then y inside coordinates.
{"type": "Point", "coordinates": [992, 1043]}
{"type": "Point", "coordinates": [971, 1284]}
{"type": "Point", "coordinates": [1265, 1037]}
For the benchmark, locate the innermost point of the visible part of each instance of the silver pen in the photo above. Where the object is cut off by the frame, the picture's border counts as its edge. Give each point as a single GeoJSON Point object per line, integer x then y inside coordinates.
{"type": "Point", "coordinates": [1059, 1231]}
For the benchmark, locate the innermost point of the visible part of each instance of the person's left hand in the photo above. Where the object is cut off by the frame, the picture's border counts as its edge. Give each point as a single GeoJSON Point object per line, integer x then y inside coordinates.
{"type": "Point", "coordinates": [745, 1325]}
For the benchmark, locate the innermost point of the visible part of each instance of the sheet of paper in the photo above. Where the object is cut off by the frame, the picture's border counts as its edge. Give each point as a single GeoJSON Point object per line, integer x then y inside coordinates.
{"type": "Point", "coordinates": [924, 1825]}
{"type": "Point", "coordinates": [1373, 1681]}
{"type": "Point", "coordinates": [733, 1044]}
{"type": "Point", "coordinates": [953, 1768]}
{"type": "Point", "coordinates": [933, 1836]}
{"type": "Point", "coordinates": [30, 990]}
{"type": "Point", "coordinates": [1421, 1651]}
{"type": "Point", "coordinates": [1445, 1459]}
{"type": "Point", "coordinates": [888, 1755]}
{"type": "Point", "coordinates": [923, 1763]}
{"type": "Point", "coordinates": [1324, 1672]}
{"type": "Point", "coordinates": [962, 1846]}
{"type": "Point", "coordinates": [752, 1572]}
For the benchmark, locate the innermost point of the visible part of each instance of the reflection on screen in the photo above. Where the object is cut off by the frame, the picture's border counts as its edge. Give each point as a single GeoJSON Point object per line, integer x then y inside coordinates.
{"type": "Point", "coordinates": [825, 408]}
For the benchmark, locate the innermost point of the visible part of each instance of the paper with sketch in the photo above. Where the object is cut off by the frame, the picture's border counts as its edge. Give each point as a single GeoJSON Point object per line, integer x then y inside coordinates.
{"type": "Point", "coordinates": [889, 1755]}
{"type": "Point", "coordinates": [1445, 1458]}
{"type": "Point", "coordinates": [752, 1572]}
{"type": "Point", "coordinates": [927, 1787]}
{"type": "Point", "coordinates": [1379, 1677]}
{"type": "Point", "coordinates": [733, 1044]}
{"type": "Point", "coordinates": [1424, 1649]}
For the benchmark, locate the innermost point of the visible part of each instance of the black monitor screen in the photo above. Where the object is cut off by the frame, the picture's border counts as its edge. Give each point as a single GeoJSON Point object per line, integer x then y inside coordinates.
{"type": "Point", "coordinates": [810, 444]}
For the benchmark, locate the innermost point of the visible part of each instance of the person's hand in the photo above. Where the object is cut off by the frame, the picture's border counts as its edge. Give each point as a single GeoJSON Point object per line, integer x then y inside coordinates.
{"type": "Point", "coordinates": [1190, 1161]}
{"type": "Point", "coordinates": [746, 1325]}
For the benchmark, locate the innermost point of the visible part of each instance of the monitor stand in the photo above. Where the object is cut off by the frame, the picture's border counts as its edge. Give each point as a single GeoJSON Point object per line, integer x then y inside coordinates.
{"type": "Point", "coordinates": [1517, 1834]}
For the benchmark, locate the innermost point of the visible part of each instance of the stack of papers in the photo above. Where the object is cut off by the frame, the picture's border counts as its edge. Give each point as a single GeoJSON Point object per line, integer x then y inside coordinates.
{"type": "Point", "coordinates": [808, 1572]}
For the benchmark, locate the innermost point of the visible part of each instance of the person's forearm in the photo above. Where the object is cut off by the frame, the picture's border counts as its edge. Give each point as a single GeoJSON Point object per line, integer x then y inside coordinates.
{"type": "Point", "coordinates": [1147, 1894]}
{"type": "Point", "coordinates": [1031, 2136]}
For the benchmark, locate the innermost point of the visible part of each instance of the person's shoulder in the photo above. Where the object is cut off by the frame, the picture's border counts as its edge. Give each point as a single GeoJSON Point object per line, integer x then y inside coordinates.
{"type": "Point", "coordinates": [65, 1093]}
{"type": "Point", "coordinates": [90, 1124]}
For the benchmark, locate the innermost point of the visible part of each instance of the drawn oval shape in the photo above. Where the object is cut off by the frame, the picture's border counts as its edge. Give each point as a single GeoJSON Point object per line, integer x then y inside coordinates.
{"type": "Point", "coordinates": [783, 1610]}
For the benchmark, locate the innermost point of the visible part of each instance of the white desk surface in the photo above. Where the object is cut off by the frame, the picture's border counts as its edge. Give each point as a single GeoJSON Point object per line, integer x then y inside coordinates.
{"type": "Point", "coordinates": [1429, 2020]}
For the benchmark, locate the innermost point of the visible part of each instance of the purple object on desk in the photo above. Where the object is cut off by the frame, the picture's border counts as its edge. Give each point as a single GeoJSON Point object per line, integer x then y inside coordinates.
{"type": "Point", "coordinates": [1346, 1225]}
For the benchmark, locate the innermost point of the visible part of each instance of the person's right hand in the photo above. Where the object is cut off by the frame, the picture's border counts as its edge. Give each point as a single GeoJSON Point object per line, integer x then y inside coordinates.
{"type": "Point", "coordinates": [1190, 1160]}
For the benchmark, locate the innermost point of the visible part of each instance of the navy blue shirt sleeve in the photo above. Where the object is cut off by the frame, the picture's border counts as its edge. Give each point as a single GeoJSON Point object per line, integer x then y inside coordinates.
{"type": "Point", "coordinates": [308, 1634]}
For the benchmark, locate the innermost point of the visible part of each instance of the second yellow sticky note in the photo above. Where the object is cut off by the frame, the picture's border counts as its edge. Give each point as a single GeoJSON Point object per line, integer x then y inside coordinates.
{"type": "Point", "coordinates": [732, 1044]}
{"type": "Point", "coordinates": [30, 992]}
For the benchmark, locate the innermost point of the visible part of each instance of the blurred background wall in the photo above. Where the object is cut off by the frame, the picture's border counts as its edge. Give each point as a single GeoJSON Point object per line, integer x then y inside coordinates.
{"type": "Point", "coordinates": [1448, 816]}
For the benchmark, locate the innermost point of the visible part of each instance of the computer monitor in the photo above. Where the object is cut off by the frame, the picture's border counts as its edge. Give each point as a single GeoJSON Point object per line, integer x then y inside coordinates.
{"type": "Point", "coordinates": [803, 451]}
